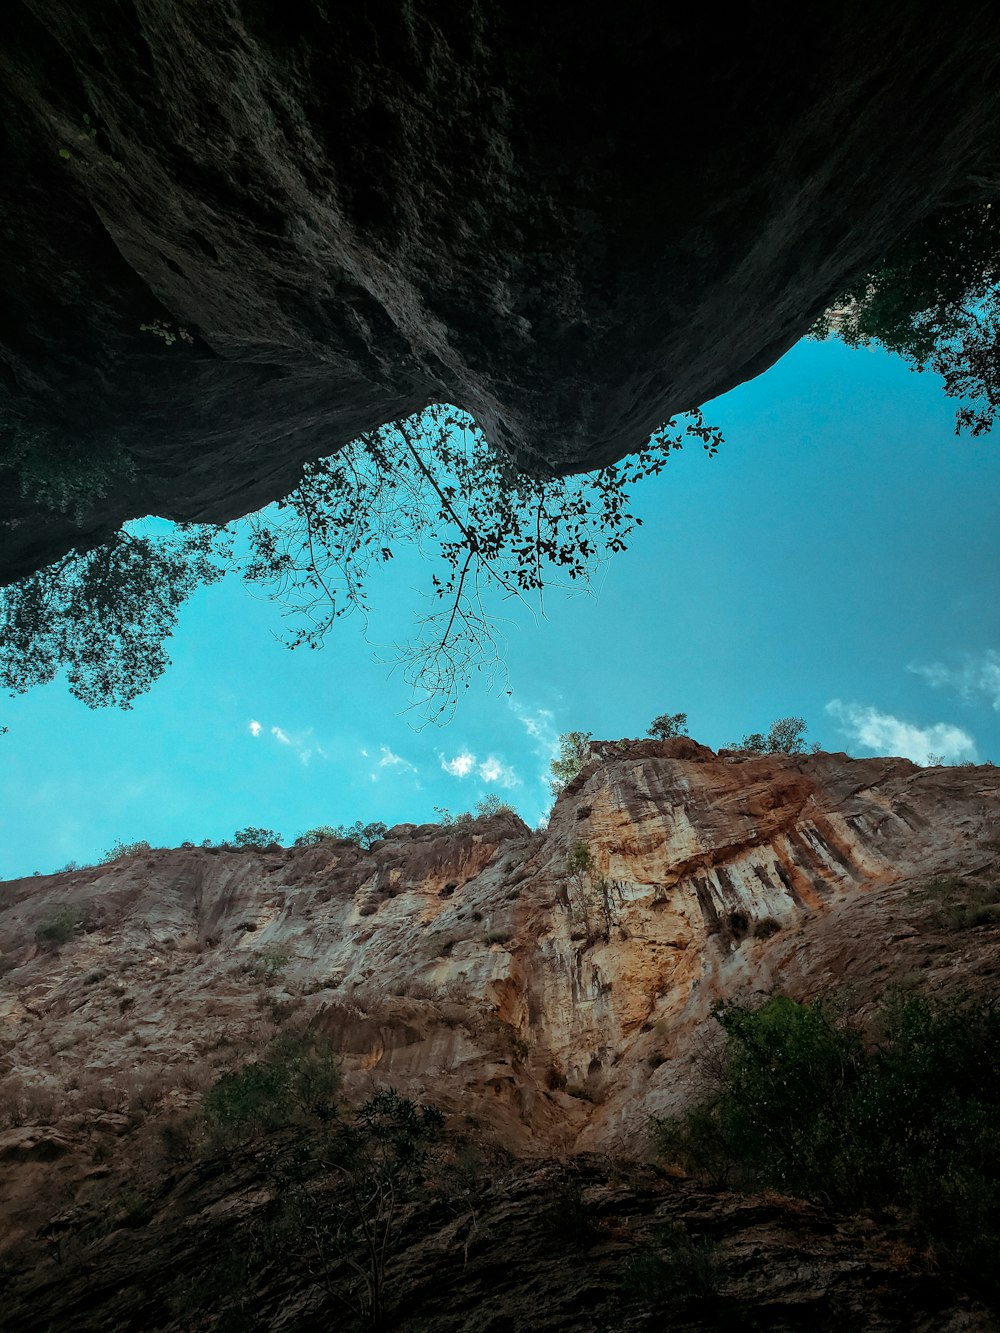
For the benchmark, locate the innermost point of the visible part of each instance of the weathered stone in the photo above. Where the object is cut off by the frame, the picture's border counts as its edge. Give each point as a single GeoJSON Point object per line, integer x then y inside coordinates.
{"type": "Point", "coordinates": [572, 222]}
{"type": "Point", "coordinates": [459, 965]}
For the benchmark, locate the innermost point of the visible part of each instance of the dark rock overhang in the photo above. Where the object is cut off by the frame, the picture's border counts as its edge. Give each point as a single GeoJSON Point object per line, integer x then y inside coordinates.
{"type": "Point", "coordinates": [572, 220]}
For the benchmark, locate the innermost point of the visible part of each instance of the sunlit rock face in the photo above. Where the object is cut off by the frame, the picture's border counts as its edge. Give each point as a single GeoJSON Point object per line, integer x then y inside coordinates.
{"type": "Point", "coordinates": [572, 222]}
{"type": "Point", "coordinates": [461, 965]}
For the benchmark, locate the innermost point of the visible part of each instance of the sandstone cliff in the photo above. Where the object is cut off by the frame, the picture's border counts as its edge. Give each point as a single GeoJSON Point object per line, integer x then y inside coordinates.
{"type": "Point", "coordinates": [234, 238]}
{"type": "Point", "coordinates": [464, 965]}
{"type": "Point", "coordinates": [461, 964]}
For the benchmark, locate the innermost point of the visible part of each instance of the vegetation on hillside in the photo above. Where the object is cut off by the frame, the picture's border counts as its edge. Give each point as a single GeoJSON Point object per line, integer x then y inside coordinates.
{"type": "Point", "coordinates": [361, 834]}
{"type": "Point", "coordinates": [785, 736]}
{"type": "Point", "coordinates": [665, 726]}
{"type": "Point", "coordinates": [799, 1099]}
{"type": "Point", "coordinates": [341, 1185]}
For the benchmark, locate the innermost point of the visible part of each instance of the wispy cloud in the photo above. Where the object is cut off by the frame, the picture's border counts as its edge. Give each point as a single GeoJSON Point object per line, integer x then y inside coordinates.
{"type": "Point", "coordinates": [885, 734]}
{"type": "Point", "coordinates": [540, 725]}
{"type": "Point", "coordinates": [302, 743]}
{"type": "Point", "coordinates": [493, 771]}
{"type": "Point", "coordinates": [388, 760]}
{"type": "Point", "coordinates": [306, 746]}
{"type": "Point", "coordinates": [978, 677]}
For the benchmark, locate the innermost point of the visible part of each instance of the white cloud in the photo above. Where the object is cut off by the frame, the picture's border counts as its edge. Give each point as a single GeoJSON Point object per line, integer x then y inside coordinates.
{"type": "Point", "coordinates": [977, 677]}
{"type": "Point", "coordinates": [491, 769]}
{"type": "Point", "coordinates": [885, 734]}
{"type": "Point", "coordinates": [301, 742]}
{"type": "Point", "coordinates": [305, 748]}
{"type": "Point", "coordinates": [459, 767]}
{"type": "Point", "coordinates": [388, 759]}
{"type": "Point", "coordinates": [502, 775]}
{"type": "Point", "coordinates": [540, 725]}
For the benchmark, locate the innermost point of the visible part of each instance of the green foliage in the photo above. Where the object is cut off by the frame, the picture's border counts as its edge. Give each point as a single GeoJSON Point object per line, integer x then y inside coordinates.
{"type": "Point", "coordinates": [259, 839]}
{"type": "Point", "coordinates": [579, 859]}
{"type": "Point", "coordinates": [59, 927]}
{"type": "Point", "coordinates": [574, 751]}
{"type": "Point", "coordinates": [665, 726]}
{"type": "Point", "coordinates": [431, 481]}
{"type": "Point", "coordinates": [267, 963]}
{"type": "Point", "coordinates": [786, 736]}
{"type": "Point", "coordinates": [800, 1102]}
{"type": "Point", "coordinates": [312, 837]}
{"type": "Point", "coordinates": [297, 1082]}
{"type": "Point", "coordinates": [120, 849]}
{"type": "Point", "coordinates": [491, 805]}
{"type": "Point", "coordinates": [448, 820]}
{"type": "Point", "coordinates": [57, 473]}
{"type": "Point", "coordinates": [166, 332]}
{"type": "Point", "coordinates": [380, 1155]}
{"type": "Point", "coordinates": [102, 616]}
{"type": "Point", "coordinates": [934, 300]}
{"type": "Point", "coordinates": [591, 896]}
{"type": "Point", "coordinates": [362, 835]}
{"type": "Point", "coordinates": [435, 482]}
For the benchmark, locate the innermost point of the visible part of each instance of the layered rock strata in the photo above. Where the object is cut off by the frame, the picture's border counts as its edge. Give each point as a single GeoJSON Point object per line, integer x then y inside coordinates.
{"type": "Point", "coordinates": [466, 965]}
{"type": "Point", "coordinates": [550, 989]}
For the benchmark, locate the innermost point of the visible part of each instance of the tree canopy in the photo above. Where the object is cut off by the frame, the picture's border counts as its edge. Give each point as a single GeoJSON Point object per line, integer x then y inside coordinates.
{"type": "Point", "coordinates": [103, 616]}
{"type": "Point", "coordinates": [665, 726]}
{"type": "Point", "coordinates": [786, 736]}
{"type": "Point", "coordinates": [574, 751]}
{"type": "Point", "coordinates": [935, 300]}
{"type": "Point", "coordinates": [488, 532]}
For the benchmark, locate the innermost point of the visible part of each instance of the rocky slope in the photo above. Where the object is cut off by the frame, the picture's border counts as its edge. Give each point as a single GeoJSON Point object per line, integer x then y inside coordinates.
{"type": "Point", "coordinates": [232, 242]}
{"type": "Point", "coordinates": [466, 966]}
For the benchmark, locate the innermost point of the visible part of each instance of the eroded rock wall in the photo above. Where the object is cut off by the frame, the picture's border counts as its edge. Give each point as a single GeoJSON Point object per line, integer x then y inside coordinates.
{"type": "Point", "coordinates": [466, 966]}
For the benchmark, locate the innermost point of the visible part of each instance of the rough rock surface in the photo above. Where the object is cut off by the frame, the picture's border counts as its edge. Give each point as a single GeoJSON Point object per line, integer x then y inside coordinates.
{"type": "Point", "coordinates": [524, 1247]}
{"type": "Point", "coordinates": [572, 222]}
{"type": "Point", "coordinates": [462, 966]}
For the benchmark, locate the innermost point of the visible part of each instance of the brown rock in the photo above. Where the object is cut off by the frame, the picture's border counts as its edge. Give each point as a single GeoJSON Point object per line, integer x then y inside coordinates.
{"type": "Point", "coordinates": [459, 966]}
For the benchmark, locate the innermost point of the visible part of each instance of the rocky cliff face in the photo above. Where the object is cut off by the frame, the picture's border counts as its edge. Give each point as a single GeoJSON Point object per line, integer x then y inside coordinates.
{"type": "Point", "coordinates": [232, 242]}
{"type": "Point", "coordinates": [464, 965]}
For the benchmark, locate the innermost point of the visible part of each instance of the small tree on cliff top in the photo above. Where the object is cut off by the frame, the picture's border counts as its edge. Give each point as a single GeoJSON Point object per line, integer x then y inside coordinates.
{"type": "Point", "coordinates": [665, 726]}
{"type": "Point", "coordinates": [574, 751]}
{"type": "Point", "coordinates": [786, 736]}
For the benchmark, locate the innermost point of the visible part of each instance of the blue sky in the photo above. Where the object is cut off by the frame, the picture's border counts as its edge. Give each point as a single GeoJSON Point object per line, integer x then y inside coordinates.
{"type": "Point", "coordinates": [837, 560]}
